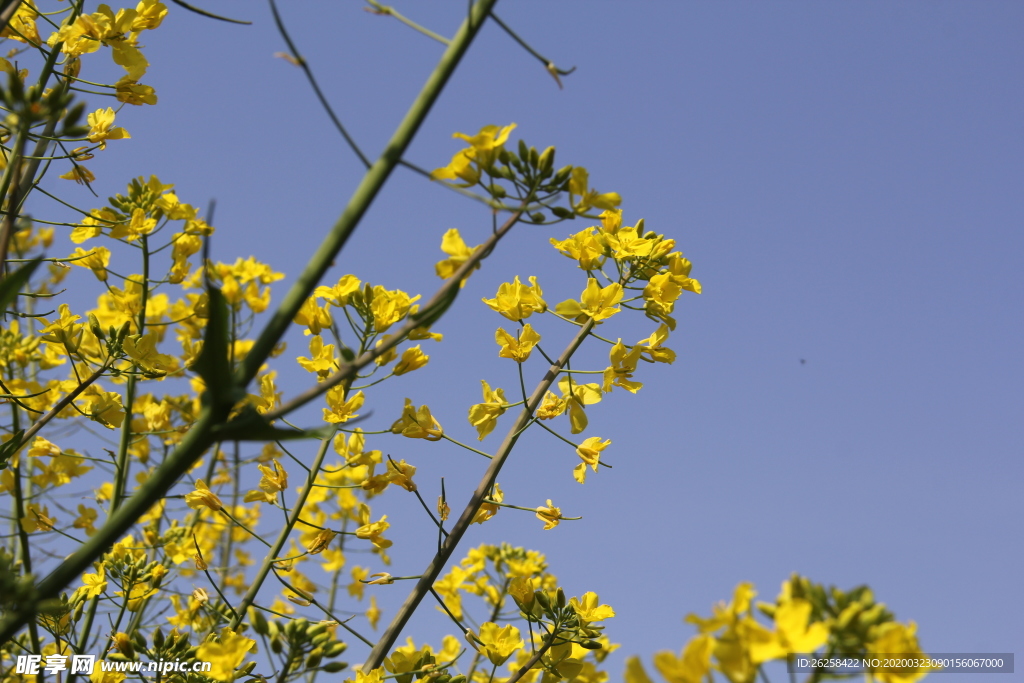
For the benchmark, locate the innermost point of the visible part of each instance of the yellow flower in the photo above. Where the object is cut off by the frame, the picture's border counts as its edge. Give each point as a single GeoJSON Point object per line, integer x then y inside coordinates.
{"type": "Point", "coordinates": [100, 130]}
{"type": "Point", "coordinates": [36, 519]}
{"type": "Point", "coordinates": [93, 585]}
{"type": "Point", "coordinates": [585, 247]}
{"type": "Point", "coordinates": [373, 612]}
{"type": "Point", "coordinates": [517, 349]}
{"type": "Point", "coordinates": [342, 410]}
{"type": "Point", "coordinates": [339, 294]}
{"type": "Point", "coordinates": [550, 515]}
{"type": "Point", "coordinates": [96, 259]}
{"type": "Point", "coordinates": [581, 395]}
{"type": "Point", "coordinates": [894, 638]}
{"type": "Point", "coordinates": [488, 510]}
{"type": "Point", "coordinates": [694, 664]}
{"type": "Point", "coordinates": [792, 633]}
{"type": "Point", "coordinates": [468, 164]}
{"type": "Point", "coordinates": [417, 424]}
{"type": "Point", "coordinates": [499, 642]}
{"type": "Point", "coordinates": [93, 224]}
{"type": "Point", "coordinates": [412, 359]}
{"type": "Point", "coordinates": [652, 346]}
{"type": "Point", "coordinates": [202, 496]}
{"type": "Point", "coordinates": [104, 407]}
{"type": "Point", "coordinates": [484, 416]}
{"type": "Point", "coordinates": [130, 91]}
{"type": "Point", "coordinates": [321, 542]}
{"type": "Point", "coordinates": [623, 365]}
{"type": "Point", "coordinates": [86, 520]}
{"type": "Point", "coordinates": [22, 26]}
{"type": "Point", "coordinates": [388, 307]}
{"type": "Point", "coordinates": [313, 316]}
{"type": "Point", "coordinates": [225, 653]}
{"type": "Point", "coordinates": [66, 332]}
{"type": "Point", "coordinates": [321, 360]}
{"type": "Point", "coordinates": [588, 609]}
{"type": "Point", "coordinates": [274, 480]}
{"type": "Point", "coordinates": [517, 301]}
{"type": "Point", "coordinates": [142, 350]}
{"type": "Point", "coordinates": [596, 302]}
{"type": "Point", "coordinates": [136, 227]}
{"type": "Point", "coordinates": [372, 531]}
{"type": "Point", "coordinates": [401, 473]}
{"type": "Point", "coordinates": [579, 186]}
{"type": "Point", "coordinates": [590, 452]}
{"type": "Point", "coordinates": [453, 245]}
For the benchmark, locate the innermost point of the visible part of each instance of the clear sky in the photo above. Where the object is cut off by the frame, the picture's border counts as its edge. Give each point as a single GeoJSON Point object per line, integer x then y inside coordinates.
{"type": "Point", "coordinates": [845, 177]}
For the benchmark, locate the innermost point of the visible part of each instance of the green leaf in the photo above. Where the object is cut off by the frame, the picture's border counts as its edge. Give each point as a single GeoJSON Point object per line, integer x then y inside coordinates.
{"type": "Point", "coordinates": [213, 365]}
{"type": "Point", "coordinates": [10, 447]}
{"type": "Point", "coordinates": [13, 283]}
{"type": "Point", "coordinates": [249, 425]}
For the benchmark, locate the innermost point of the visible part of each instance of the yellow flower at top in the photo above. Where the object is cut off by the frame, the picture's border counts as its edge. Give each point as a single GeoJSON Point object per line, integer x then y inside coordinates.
{"type": "Point", "coordinates": [517, 301]}
{"type": "Point", "coordinates": [469, 164]}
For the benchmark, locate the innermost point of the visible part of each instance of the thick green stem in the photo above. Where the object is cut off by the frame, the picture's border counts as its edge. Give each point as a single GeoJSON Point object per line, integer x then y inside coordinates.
{"type": "Point", "coordinates": [191, 448]}
{"type": "Point", "coordinates": [364, 195]}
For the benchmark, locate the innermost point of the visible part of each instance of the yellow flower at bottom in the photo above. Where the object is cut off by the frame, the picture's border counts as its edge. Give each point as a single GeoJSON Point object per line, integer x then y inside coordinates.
{"type": "Point", "coordinates": [224, 654]}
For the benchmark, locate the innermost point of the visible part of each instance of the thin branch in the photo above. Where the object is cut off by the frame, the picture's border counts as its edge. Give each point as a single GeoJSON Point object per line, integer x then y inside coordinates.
{"type": "Point", "coordinates": [304, 65]}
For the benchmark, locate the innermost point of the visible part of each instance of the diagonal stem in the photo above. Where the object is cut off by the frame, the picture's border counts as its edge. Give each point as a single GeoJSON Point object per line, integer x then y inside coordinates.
{"type": "Point", "coordinates": [363, 196]}
{"type": "Point", "coordinates": [433, 570]}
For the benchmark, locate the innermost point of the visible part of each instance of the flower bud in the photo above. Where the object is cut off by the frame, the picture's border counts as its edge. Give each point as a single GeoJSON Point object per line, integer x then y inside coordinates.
{"type": "Point", "coordinates": [94, 325]}
{"type": "Point", "coordinates": [546, 161]}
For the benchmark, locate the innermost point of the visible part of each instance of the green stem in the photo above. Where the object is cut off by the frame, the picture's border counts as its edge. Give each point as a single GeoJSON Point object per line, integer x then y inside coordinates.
{"type": "Point", "coordinates": [282, 537]}
{"type": "Point", "coordinates": [363, 196]}
{"type": "Point", "coordinates": [391, 11]}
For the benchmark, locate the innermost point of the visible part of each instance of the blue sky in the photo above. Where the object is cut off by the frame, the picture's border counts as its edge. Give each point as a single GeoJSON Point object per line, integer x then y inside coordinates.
{"type": "Point", "coordinates": [842, 176]}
